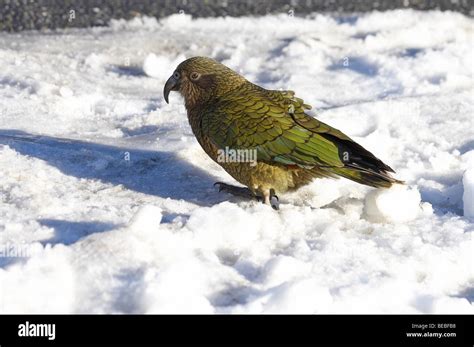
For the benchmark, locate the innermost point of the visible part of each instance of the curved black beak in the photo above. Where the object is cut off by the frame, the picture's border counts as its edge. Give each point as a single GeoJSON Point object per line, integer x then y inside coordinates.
{"type": "Point", "coordinates": [171, 84]}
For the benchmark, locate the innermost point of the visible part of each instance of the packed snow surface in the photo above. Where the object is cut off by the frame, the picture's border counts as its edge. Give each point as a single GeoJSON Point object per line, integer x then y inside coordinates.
{"type": "Point", "coordinates": [107, 201]}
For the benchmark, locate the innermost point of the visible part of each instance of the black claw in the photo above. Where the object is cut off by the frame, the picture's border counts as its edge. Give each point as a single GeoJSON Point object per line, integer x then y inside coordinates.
{"type": "Point", "coordinates": [233, 190]}
{"type": "Point", "coordinates": [220, 186]}
{"type": "Point", "coordinates": [273, 195]}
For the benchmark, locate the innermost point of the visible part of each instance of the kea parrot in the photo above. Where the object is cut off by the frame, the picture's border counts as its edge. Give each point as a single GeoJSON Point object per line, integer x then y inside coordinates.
{"type": "Point", "coordinates": [292, 148]}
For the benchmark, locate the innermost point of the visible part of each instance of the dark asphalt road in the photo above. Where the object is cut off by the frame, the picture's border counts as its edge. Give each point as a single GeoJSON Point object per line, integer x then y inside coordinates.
{"type": "Point", "coordinates": [17, 15]}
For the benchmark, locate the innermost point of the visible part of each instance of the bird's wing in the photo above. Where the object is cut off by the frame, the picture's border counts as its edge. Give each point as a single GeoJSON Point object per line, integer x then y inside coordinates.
{"type": "Point", "coordinates": [353, 155]}
{"type": "Point", "coordinates": [274, 124]}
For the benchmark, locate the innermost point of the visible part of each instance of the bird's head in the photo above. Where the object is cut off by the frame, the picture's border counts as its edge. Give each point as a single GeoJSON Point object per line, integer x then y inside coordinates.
{"type": "Point", "coordinates": [201, 79]}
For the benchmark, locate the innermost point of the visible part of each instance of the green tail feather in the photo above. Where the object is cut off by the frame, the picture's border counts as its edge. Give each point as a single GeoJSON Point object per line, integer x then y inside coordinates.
{"type": "Point", "coordinates": [367, 177]}
{"type": "Point", "coordinates": [362, 166]}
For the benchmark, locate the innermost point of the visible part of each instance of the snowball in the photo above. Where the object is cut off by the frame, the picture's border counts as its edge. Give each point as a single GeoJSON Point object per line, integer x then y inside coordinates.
{"type": "Point", "coordinates": [397, 204]}
{"type": "Point", "coordinates": [468, 195]}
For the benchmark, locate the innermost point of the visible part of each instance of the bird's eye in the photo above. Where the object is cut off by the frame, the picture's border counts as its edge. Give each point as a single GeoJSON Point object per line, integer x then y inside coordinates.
{"type": "Point", "coordinates": [176, 75]}
{"type": "Point", "coordinates": [194, 76]}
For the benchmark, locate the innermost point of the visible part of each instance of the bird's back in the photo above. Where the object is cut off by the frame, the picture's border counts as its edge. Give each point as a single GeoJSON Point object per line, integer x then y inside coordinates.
{"type": "Point", "coordinates": [275, 124]}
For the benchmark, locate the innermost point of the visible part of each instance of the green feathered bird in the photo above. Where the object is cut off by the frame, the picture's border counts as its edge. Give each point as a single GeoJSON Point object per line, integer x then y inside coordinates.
{"type": "Point", "coordinates": [229, 114]}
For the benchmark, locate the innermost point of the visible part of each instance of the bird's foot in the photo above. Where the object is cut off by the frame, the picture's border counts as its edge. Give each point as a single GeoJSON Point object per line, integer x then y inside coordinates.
{"type": "Point", "coordinates": [234, 190]}
{"type": "Point", "coordinates": [270, 198]}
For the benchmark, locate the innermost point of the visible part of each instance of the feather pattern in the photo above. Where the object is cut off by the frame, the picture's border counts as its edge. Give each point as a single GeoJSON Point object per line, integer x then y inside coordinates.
{"type": "Point", "coordinates": [227, 111]}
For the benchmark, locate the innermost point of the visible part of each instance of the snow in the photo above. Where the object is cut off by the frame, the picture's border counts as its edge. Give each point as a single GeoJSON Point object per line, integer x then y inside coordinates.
{"type": "Point", "coordinates": [397, 204]}
{"type": "Point", "coordinates": [468, 185]}
{"type": "Point", "coordinates": [468, 196]}
{"type": "Point", "coordinates": [106, 191]}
